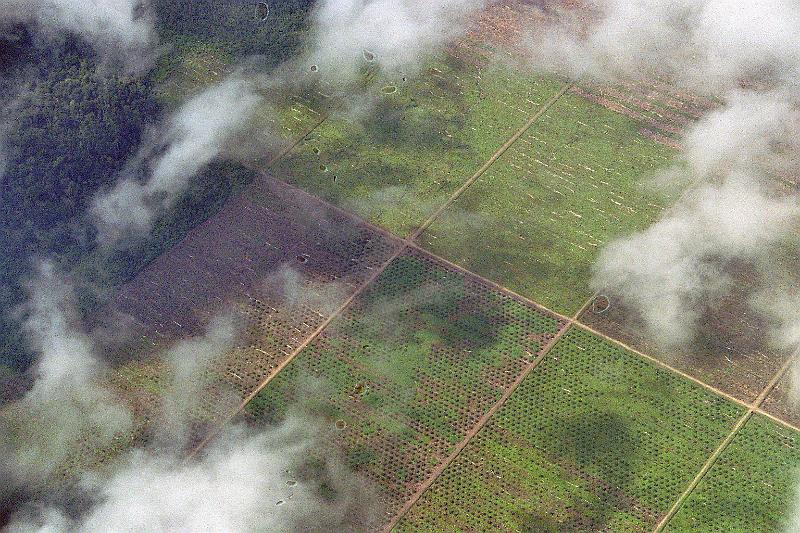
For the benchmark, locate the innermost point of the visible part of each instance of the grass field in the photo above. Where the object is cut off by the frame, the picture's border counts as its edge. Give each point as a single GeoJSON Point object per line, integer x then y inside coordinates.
{"type": "Point", "coordinates": [537, 219]}
{"type": "Point", "coordinates": [420, 139]}
{"type": "Point", "coordinates": [189, 69]}
{"type": "Point", "coordinates": [593, 438]}
{"type": "Point", "coordinates": [409, 369]}
{"type": "Point", "coordinates": [281, 121]}
{"type": "Point", "coordinates": [751, 487]}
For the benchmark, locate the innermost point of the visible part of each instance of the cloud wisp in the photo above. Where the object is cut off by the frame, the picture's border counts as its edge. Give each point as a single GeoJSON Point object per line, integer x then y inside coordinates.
{"type": "Point", "coordinates": [398, 35]}
{"type": "Point", "coordinates": [247, 479]}
{"type": "Point", "coordinates": [119, 30]}
{"type": "Point", "coordinates": [67, 403]}
{"type": "Point", "coordinates": [709, 46]}
{"type": "Point", "coordinates": [735, 209]}
{"type": "Point", "coordinates": [189, 140]}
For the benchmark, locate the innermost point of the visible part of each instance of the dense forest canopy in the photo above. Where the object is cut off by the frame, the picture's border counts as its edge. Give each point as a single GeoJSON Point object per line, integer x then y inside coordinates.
{"type": "Point", "coordinates": [74, 123]}
{"type": "Point", "coordinates": [235, 26]}
{"type": "Point", "coordinates": [72, 129]}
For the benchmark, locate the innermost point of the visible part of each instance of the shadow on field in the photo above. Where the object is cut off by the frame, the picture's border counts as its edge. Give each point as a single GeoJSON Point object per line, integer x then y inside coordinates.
{"type": "Point", "coordinates": [601, 451]}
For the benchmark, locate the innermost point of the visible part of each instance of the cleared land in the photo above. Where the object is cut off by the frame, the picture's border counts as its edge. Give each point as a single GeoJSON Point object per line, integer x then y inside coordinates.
{"type": "Point", "coordinates": [752, 485]}
{"type": "Point", "coordinates": [731, 351]}
{"type": "Point", "coordinates": [537, 219]}
{"type": "Point", "coordinates": [409, 369]}
{"type": "Point", "coordinates": [782, 403]}
{"type": "Point", "coordinates": [662, 112]}
{"type": "Point", "coordinates": [275, 259]}
{"type": "Point", "coordinates": [595, 437]}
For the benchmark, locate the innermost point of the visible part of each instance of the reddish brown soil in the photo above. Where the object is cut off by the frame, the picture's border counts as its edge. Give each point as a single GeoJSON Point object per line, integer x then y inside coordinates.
{"type": "Point", "coordinates": [664, 111]}
{"type": "Point", "coordinates": [232, 262]}
{"type": "Point", "coordinates": [781, 403]}
{"type": "Point", "coordinates": [508, 23]}
{"type": "Point", "coordinates": [13, 387]}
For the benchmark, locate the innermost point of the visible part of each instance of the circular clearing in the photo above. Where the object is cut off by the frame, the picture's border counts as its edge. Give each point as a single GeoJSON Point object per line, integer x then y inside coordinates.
{"type": "Point", "coordinates": [601, 304]}
{"type": "Point", "coordinates": [262, 11]}
{"type": "Point", "coordinates": [314, 68]}
{"type": "Point", "coordinates": [340, 425]}
{"type": "Point", "coordinates": [369, 56]}
{"type": "Point", "coordinates": [302, 258]}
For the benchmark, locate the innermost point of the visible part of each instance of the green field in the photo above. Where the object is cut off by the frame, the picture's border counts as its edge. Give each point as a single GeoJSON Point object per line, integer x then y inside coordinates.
{"type": "Point", "coordinates": [593, 438]}
{"type": "Point", "coordinates": [537, 219]}
{"type": "Point", "coordinates": [751, 487]}
{"type": "Point", "coordinates": [392, 354]}
{"type": "Point", "coordinates": [395, 162]}
{"type": "Point", "coordinates": [190, 68]}
{"type": "Point", "coordinates": [283, 118]}
{"type": "Point", "coordinates": [409, 369]}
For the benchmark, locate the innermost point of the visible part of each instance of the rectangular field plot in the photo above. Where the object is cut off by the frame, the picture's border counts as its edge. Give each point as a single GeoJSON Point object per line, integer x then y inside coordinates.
{"type": "Point", "coordinates": [409, 369]}
{"type": "Point", "coordinates": [662, 111]}
{"type": "Point", "coordinates": [782, 402]}
{"type": "Point", "coordinates": [420, 138]}
{"type": "Point", "coordinates": [751, 487]}
{"type": "Point", "coordinates": [595, 438]}
{"type": "Point", "coordinates": [731, 349]}
{"type": "Point", "coordinates": [275, 259]}
{"type": "Point", "coordinates": [536, 220]}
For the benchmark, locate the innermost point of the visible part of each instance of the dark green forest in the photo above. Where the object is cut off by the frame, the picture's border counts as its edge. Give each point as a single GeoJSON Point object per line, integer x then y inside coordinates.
{"type": "Point", "coordinates": [75, 123]}
{"type": "Point", "coordinates": [233, 25]}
